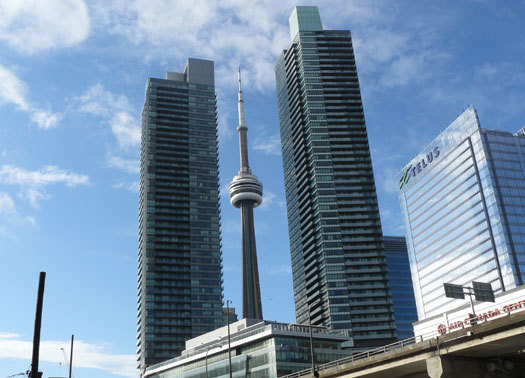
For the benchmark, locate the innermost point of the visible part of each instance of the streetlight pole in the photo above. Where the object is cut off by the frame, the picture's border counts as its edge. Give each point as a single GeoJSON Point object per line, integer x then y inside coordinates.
{"type": "Point", "coordinates": [311, 336]}
{"type": "Point", "coordinates": [311, 340]}
{"type": "Point", "coordinates": [71, 356]}
{"type": "Point", "coordinates": [207, 350]}
{"type": "Point", "coordinates": [34, 373]}
{"type": "Point", "coordinates": [228, 322]}
{"type": "Point", "coordinates": [470, 294]}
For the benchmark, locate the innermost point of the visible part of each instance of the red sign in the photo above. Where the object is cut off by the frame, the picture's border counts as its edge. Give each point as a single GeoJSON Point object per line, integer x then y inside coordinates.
{"type": "Point", "coordinates": [442, 328]}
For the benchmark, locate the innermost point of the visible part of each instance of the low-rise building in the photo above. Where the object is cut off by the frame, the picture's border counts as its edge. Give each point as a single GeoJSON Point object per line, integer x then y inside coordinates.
{"type": "Point", "coordinates": [258, 349]}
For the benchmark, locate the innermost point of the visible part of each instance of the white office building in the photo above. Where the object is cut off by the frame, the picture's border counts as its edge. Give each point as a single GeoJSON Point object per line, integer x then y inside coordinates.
{"type": "Point", "coordinates": [463, 203]}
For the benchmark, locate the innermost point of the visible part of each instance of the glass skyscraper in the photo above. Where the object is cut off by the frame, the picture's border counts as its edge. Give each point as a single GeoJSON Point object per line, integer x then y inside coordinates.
{"type": "Point", "coordinates": [463, 202]}
{"type": "Point", "coordinates": [338, 261]}
{"type": "Point", "coordinates": [401, 285]}
{"type": "Point", "coordinates": [180, 278]}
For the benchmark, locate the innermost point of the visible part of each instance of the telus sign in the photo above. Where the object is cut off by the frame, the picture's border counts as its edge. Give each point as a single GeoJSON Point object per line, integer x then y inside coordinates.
{"type": "Point", "coordinates": [415, 169]}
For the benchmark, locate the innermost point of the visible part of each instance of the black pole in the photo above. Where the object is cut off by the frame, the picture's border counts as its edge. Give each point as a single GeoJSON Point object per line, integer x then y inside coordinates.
{"type": "Point", "coordinates": [207, 350]}
{"type": "Point", "coordinates": [311, 340]}
{"type": "Point", "coordinates": [71, 356]}
{"type": "Point", "coordinates": [38, 323]}
{"type": "Point", "coordinates": [229, 350]}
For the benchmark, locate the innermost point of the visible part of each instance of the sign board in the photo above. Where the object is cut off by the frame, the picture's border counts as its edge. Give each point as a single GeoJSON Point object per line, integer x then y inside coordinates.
{"type": "Point", "coordinates": [417, 167]}
{"type": "Point", "coordinates": [461, 317]}
{"type": "Point", "coordinates": [454, 291]}
{"type": "Point", "coordinates": [483, 292]}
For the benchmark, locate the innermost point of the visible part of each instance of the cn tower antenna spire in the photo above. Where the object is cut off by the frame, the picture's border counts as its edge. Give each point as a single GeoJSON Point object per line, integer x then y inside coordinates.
{"type": "Point", "coordinates": [242, 129]}
{"type": "Point", "coordinates": [241, 103]}
{"type": "Point", "coordinates": [246, 193]}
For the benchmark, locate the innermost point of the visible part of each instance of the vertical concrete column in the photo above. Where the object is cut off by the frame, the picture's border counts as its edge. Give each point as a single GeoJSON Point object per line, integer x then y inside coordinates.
{"type": "Point", "coordinates": [439, 367]}
{"type": "Point", "coordinates": [454, 367]}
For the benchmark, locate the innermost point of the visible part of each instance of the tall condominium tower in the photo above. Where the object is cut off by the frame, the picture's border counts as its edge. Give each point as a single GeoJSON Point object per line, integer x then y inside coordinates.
{"type": "Point", "coordinates": [338, 262]}
{"type": "Point", "coordinates": [246, 193]}
{"type": "Point", "coordinates": [180, 278]}
{"type": "Point", "coordinates": [463, 202]}
{"type": "Point", "coordinates": [401, 285]}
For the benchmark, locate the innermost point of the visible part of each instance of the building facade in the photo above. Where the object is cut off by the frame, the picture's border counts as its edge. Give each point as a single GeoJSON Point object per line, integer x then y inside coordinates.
{"type": "Point", "coordinates": [401, 285]}
{"type": "Point", "coordinates": [180, 277]}
{"type": "Point", "coordinates": [259, 349]}
{"type": "Point", "coordinates": [229, 315]}
{"type": "Point", "coordinates": [463, 203]}
{"type": "Point", "coordinates": [338, 262]}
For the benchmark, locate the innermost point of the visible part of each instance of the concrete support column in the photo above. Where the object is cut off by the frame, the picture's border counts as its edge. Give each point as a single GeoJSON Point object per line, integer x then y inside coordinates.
{"type": "Point", "coordinates": [450, 367]}
{"type": "Point", "coordinates": [439, 367]}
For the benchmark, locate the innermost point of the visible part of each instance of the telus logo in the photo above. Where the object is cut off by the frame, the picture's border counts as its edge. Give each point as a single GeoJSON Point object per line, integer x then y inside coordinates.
{"type": "Point", "coordinates": [413, 170]}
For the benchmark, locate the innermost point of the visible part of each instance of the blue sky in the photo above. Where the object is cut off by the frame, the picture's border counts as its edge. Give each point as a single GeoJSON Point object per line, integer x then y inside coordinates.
{"type": "Point", "coordinates": [72, 79]}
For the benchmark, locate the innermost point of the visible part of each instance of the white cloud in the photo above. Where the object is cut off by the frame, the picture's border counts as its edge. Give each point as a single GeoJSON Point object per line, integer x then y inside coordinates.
{"type": "Point", "coordinates": [225, 114]}
{"type": "Point", "coordinates": [133, 186]}
{"type": "Point", "coordinates": [127, 165]}
{"type": "Point", "coordinates": [100, 102]}
{"type": "Point", "coordinates": [390, 54]}
{"type": "Point", "coordinates": [14, 91]}
{"type": "Point", "coordinates": [86, 355]}
{"type": "Point", "coordinates": [268, 200]}
{"type": "Point", "coordinates": [125, 128]}
{"type": "Point", "coordinates": [270, 145]}
{"type": "Point", "coordinates": [232, 32]}
{"type": "Point", "coordinates": [8, 335]}
{"type": "Point", "coordinates": [490, 86]}
{"type": "Point", "coordinates": [254, 33]}
{"type": "Point", "coordinates": [7, 205]}
{"type": "Point", "coordinates": [9, 213]}
{"type": "Point", "coordinates": [45, 119]}
{"type": "Point", "coordinates": [49, 174]}
{"type": "Point", "coordinates": [31, 26]}
{"type": "Point", "coordinates": [32, 183]}
{"type": "Point", "coordinates": [116, 110]}
{"type": "Point", "coordinates": [34, 195]}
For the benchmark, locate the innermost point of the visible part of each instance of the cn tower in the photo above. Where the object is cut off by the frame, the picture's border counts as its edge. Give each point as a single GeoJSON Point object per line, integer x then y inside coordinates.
{"type": "Point", "coordinates": [246, 193]}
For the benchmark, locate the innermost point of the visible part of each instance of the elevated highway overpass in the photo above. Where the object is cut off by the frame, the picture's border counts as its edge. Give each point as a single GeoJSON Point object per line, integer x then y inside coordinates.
{"type": "Point", "coordinates": [490, 349]}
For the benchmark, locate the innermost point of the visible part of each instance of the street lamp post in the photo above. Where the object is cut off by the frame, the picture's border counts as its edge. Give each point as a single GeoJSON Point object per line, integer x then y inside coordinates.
{"type": "Point", "coordinates": [228, 322]}
{"type": "Point", "coordinates": [208, 350]}
{"type": "Point", "coordinates": [311, 341]}
{"type": "Point", "coordinates": [311, 336]}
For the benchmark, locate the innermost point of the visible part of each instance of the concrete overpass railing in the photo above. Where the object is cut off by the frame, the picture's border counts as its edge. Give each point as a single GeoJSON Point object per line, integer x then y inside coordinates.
{"type": "Point", "coordinates": [356, 357]}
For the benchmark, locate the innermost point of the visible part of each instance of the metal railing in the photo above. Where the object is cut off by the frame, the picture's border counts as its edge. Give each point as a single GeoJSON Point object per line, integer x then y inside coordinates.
{"type": "Point", "coordinates": [356, 357]}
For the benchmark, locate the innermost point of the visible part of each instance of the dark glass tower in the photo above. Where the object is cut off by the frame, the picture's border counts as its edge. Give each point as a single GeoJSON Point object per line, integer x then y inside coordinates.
{"type": "Point", "coordinates": [401, 285]}
{"type": "Point", "coordinates": [180, 278]}
{"type": "Point", "coordinates": [338, 261]}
